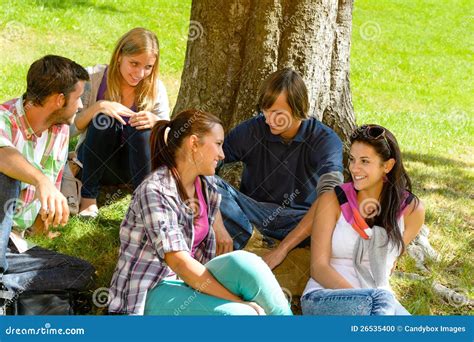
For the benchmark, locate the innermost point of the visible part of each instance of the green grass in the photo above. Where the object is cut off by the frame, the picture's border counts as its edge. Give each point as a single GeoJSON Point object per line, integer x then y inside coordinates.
{"type": "Point", "coordinates": [87, 31]}
{"type": "Point", "coordinates": [411, 73]}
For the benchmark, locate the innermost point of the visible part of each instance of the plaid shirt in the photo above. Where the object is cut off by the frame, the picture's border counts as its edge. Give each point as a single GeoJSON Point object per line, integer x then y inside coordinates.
{"type": "Point", "coordinates": [16, 132]}
{"type": "Point", "coordinates": [157, 222]}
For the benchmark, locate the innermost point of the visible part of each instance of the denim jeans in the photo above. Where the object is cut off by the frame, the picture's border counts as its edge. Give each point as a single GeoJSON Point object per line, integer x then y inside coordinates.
{"type": "Point", "coordinates": [40, 269]}
{"type": "Point", "coordinates": [239, 212]}
{"type": "Point", "coordinates": [36, 269]}
{"type": "Point", "coordinates": [113, 153]}
{"type": "Point", "coordinates": [242, 273]}
{"type": "Point", "coordinates": [351, 302]}
{"type": "Point", "coordinates": [9, 192]}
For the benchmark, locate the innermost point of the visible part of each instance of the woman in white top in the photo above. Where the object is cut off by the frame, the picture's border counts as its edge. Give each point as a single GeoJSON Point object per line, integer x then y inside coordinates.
{"type": "Point", "coordinates": [122, 102]}
{"type": "Point", "coordinates": [360, 229]}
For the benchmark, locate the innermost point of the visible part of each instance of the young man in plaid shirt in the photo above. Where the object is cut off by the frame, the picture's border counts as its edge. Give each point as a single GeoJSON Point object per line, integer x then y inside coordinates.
{"type": "Point", "coordinates": [34, 137]}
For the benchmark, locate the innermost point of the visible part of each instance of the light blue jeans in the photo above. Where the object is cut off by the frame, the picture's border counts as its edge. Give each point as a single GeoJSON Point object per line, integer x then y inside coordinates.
{"type": "Point", "coordinates": [9, 192]}
{"type": "Point", "coordinates": [351, 302]}
{"type": "Point", "coordinates": [240, 211]}
{"type": "Point", "coordinates": [242, 273]}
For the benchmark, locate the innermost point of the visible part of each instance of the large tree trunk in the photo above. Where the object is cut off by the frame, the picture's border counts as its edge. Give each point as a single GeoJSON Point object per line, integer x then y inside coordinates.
{"type": "Point", "coordinates": [233, 45]}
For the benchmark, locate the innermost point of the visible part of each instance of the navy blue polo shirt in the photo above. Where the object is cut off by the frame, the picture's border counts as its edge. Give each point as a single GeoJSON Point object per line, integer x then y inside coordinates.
{"type": "Point", "coordinates": [283, 173]}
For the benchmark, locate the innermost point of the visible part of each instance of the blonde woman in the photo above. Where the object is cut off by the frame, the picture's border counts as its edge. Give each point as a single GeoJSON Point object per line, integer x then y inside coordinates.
{"type": "Point", "coordinates": [122, 102]}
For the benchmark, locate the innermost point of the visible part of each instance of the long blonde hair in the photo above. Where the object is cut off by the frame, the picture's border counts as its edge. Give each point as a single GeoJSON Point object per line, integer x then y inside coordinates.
{"type": "Point", "coordinates": [134, 42]}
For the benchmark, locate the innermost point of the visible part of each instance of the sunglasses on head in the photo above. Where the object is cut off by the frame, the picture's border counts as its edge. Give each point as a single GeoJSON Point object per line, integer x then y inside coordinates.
{"type": "Point", "coordinates": [371, 132]}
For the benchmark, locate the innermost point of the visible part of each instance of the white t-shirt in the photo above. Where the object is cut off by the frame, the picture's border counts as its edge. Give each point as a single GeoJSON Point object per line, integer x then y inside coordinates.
{"type": "Point", "coordinates": [40, 147]}
{"type": "Point", "coordinates": [343, 242]}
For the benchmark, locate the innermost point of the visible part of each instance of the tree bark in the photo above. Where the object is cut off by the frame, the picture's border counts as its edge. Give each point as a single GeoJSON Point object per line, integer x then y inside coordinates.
{"type": "Point", "coordinates": [233, 45]}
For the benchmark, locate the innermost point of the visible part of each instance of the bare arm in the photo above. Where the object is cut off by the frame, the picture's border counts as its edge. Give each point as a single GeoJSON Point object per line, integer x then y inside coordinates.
{"type": "Point", "coordinates": [297, 235]}
{"type": "Point", "coordinates": [54, 208]}
{"type": "Point", "coordinates": [326, 183]}
{"type": "Point", "coordinates": [414, 219]}
{"type": "Point", "coordinates": [326, 216]}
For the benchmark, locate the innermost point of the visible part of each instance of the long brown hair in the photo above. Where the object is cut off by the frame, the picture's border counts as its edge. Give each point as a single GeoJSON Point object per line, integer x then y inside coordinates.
{"type": "Point", "coordinates": [135, 42]}
{"type": "Point", "coordinates": [394, 187]}
{"type": "Point", "coordinates": [164, 150]}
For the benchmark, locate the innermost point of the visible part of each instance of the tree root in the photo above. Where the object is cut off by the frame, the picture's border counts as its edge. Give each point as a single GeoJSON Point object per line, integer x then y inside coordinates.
{"type": "Point", "coordinates": [421, 250]}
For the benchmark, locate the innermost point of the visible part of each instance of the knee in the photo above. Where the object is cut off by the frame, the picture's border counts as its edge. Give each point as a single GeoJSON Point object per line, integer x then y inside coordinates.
{"type": "Point", "coordinates": [247, 261]}
{"type": "Point", "coordinates": [83, 270]}
{"type": "Point", "coordinates": [242, 258]}
{"type": "Point", "coordinates": [101, 123]}
{"type": "Point", "coordinates": [382, 295]}
{"type": "Point", "coordinates": [383, 302]}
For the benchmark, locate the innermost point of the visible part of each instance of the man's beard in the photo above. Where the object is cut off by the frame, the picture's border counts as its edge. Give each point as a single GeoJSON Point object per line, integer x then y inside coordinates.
{"type": "Point", "coordinates": [57, 118]}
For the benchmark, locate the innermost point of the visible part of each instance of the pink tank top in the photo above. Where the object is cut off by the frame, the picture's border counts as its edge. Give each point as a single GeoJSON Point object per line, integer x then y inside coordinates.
{"type": "Point", "coordinates": [201, 223]}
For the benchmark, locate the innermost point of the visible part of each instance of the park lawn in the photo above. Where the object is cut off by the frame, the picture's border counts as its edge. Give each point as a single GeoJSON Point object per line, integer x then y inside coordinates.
{"type": "Point", "coordinates": [87, 31]}
{"type": "Point", "coordinates": [411, 71]}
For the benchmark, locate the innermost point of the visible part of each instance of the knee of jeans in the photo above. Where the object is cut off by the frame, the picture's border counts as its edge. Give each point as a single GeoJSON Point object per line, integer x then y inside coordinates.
{"type": "Point", "coordinates": [245, 261]}
{"type": "Point", "coordinates": [383, 295]}
{"type": "Point", "coordinates": [102, 122]}
{"type": "Point", "coordinates": [383, 302]}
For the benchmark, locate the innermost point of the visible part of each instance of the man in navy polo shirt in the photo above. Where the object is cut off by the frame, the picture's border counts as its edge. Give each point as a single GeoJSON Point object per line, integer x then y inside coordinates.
{"type": "Point", "coordinates": [289, 160]}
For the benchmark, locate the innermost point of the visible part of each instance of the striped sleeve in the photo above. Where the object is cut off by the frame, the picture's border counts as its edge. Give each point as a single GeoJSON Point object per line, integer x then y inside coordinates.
{"type": "Point", "coordinates": [161, 223]}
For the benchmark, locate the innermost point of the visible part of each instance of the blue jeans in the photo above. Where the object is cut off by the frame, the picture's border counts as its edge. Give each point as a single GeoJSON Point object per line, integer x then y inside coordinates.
{"type": "Point", "coordinates": [242, 273]}
{"type": "Point", "coordinates": [113, 154]}
{"type": "Point", "coordinates": [37, 269]}
{"type": "Point", "coordinates": [351, 302]}
{"type": "Point", "coordinates": [239, 212]}
{"type": "Point", "coordinates": [9, 192]}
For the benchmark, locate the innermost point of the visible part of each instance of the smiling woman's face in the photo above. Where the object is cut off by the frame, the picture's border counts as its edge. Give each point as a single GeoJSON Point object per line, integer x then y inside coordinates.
{"type": "Point", "coordinates": [209, 151]}
{"type": "Point", "coordinates": [136, 68]}
{"type": "Point", "coordinates": [365, 165]}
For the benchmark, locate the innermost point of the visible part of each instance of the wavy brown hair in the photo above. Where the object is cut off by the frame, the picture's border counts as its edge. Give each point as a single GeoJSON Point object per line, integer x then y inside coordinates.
{"type": "Point", "coordinates": [396, 185]}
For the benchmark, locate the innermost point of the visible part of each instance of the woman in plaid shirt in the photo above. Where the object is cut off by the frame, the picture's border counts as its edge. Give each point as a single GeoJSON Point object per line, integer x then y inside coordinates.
{"type": "Point", "coordinates": [167, 263]}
